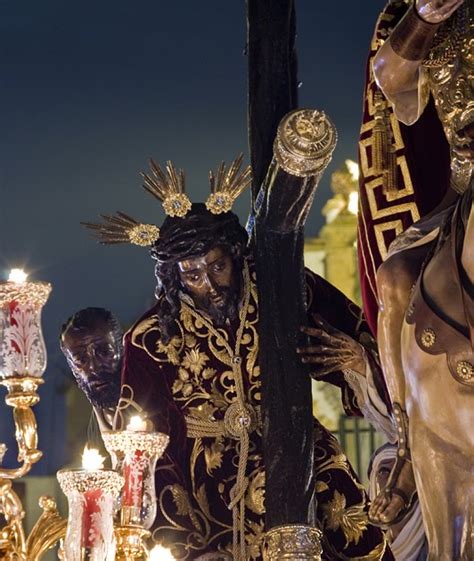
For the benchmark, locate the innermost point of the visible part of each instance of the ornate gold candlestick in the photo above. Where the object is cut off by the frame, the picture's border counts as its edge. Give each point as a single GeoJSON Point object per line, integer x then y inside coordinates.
{"type": "Point", "coordinates": [134, 454]}
{"type": "Point", "coordinates": [22, 363]}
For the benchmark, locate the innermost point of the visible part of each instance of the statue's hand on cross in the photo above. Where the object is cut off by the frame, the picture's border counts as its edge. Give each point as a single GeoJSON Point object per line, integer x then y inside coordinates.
{"type": "Point", "coordinates": [331, 351]}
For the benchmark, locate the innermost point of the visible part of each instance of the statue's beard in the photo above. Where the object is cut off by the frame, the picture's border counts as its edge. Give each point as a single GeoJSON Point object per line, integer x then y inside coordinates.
{"type": "Point", "coordinates": [104, 396]}
{"type": "Point", "coordinates": [226, 309]}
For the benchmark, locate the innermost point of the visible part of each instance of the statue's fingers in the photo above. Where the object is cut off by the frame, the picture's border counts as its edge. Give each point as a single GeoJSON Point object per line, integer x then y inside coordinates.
{"type": "Point", "coordinates": [325, 350]}
{"type": "Point", "coordinates": [321, 334]}
{"type": "Point", "coordinates": [323, 360]}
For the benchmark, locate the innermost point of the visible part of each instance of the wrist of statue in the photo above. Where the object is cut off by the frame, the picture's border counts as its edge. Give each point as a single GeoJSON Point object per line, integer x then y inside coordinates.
{"type": "Point", "coordinates": [413, 36]}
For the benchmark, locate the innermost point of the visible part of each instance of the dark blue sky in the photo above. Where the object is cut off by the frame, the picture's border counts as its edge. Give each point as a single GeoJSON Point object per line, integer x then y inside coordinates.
{"type": "Point", "coordinates": [90, 90]}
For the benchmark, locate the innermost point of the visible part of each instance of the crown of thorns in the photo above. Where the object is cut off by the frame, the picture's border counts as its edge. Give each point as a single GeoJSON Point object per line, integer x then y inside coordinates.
{"type": "Point", "coordinates": [169, 188]}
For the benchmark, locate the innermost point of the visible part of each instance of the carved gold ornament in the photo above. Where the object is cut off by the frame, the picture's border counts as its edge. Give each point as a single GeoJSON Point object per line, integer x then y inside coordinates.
{"type": "Point", "coordinates": [122, 228]}
{"type": "Point", "coordinates": [131, 543]}
{"type": "Point", "coordinates": [219, 202]}
{"type": "Point", "coordinates": [227, 186]}
{"type": "Point", "coordinates": [169, 188]}
{"type": "Point", "coordinates": [305, 141]}
{"type": "Point", "coordinates": [239, 418]}
{"type": "Point", "coordinates": [465, 370]}
{"type": "Point", "coordinates": [293, 542]}
{"type": "Point", "coordinates": [428, 338]}
{"type": "Point", "coordinates": [177, 205]}
{"type": "Point", "coordinates": [144, 234]}
{"type": "Point", "coordinates": [449, 72]}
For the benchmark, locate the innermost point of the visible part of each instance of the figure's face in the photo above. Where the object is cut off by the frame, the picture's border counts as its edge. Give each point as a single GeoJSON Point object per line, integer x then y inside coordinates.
{"type": "Point", "coordinates": [383, 472]}
{"type": "Point", "coordinates": [94, 356]}
{"type": "Point", "coordinates": [213, 282]}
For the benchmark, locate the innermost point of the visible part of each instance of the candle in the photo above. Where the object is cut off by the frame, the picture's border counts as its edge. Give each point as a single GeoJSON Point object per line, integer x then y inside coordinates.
{"type": "Point", "coordinates": [133, 467]}
{"type": "Point", "coordinates": [160, 553]}
{"type": "Point", "coordinates": [91, 459]}
{"type": "Point", "coordinates": [135, 453]}
{"type": "Point", "coordinates": [17, 276]}
{"type": "Point", "coordinates": [137, 424]}
{"type": "Point", "coordinates": [91, 513]}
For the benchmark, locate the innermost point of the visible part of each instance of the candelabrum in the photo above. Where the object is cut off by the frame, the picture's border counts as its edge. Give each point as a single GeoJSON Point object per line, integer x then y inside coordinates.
{"type": "Point", "coordinates": [22, 364]}
{"type": "Point", "coordinates": [134, 453]}
{"type": "Point", "coordinates": [93, 493]}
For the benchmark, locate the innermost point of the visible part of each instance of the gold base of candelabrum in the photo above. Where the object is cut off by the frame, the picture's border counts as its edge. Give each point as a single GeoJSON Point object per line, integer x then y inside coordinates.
{"type": "Point", "coordinates": [131, 543]}
{"type": "Point", "coordinates": [50, 527]}
{"type": "Point", "coordinates": [47, 531]}
{"type": "Point", "coordinates": [294, 542]}
{"type": "Point", "coordinates": [22, 396]}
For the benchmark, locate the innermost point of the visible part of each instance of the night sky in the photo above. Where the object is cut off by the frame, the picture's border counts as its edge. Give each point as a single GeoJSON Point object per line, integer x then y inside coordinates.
{"type": "Point", "coordinates": [90, 90]}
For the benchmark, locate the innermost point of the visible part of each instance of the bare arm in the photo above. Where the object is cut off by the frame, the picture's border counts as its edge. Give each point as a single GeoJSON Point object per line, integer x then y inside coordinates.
{"type": "Point", "coordinates": [397, 64]}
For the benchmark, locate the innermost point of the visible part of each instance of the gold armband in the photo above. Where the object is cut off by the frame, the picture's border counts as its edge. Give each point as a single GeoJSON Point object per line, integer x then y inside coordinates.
{"type": "Point", "coordinates": [413, 36]}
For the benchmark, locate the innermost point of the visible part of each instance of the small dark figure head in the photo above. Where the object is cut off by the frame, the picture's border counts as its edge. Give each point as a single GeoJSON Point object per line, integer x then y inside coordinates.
{"type": "Point", "coordinates": [200, 255]}
{"type": "Point", "coordinates": [91, 341]}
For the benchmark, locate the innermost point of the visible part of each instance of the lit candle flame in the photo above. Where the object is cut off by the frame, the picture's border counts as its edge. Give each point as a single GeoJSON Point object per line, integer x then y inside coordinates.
{"type": "Point", "coordinates": [353, 168]}
{"type": "Point", "coordinates": [17, 275]}
{"type": "Point", "coordinates": [91, 459]}
{"type": "Point", "coordinates": [137, 424]}
{"type": "Point", "coordinates": [160, 553]}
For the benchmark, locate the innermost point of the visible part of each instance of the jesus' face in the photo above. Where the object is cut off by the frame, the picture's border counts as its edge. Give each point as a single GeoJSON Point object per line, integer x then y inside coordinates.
{"type": "Point", "coordinates": [213, 282]}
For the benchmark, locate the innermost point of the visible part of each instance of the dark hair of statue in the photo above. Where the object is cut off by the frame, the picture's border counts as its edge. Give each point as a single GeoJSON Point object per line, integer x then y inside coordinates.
{"type": "Point", "coordinates": [184, 238]}
{"type": "Point", "coordinates": [88, 318]}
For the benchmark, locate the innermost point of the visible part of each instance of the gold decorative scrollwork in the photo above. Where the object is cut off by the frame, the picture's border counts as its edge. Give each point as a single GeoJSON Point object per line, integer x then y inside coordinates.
{"type": "Point", "coordinates": [305, 141]}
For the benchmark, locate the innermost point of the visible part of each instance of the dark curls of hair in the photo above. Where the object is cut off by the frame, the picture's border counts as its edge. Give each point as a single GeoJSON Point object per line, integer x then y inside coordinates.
{"type": "Point", "coordinates": [184, 238]}
{"type": "Point", "coordinates": [88, 318]}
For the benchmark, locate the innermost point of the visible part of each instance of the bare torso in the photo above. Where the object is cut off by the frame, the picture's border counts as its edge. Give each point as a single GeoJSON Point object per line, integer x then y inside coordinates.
{"type": "Point", "coordinates": [439, 407]}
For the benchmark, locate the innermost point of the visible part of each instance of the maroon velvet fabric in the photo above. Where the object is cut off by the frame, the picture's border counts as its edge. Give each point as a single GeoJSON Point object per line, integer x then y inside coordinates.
{"type": "Point", "coordinates": [192, 376]}
{"type": "Point", "coordinates": [423, 168]}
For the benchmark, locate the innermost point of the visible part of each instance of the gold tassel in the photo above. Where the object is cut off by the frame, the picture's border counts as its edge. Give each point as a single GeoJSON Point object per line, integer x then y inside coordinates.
{"type": "Point", "coordinates": [384, 154]}
{"type": "Point", "coordinates": [379, 154]}
{"type": "Point", "coordinates": [390, 172]}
